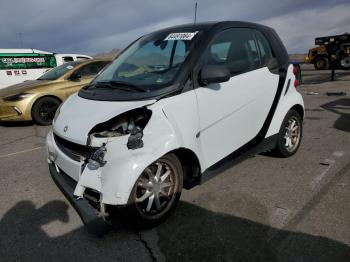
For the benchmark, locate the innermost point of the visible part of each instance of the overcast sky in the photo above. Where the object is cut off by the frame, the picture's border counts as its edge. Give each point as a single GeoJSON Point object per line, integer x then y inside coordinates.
{"type": "Point", "coordinates": [95, 26]}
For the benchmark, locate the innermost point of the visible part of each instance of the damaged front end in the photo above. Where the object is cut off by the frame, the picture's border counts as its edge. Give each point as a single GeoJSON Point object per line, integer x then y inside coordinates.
{"type": "Point", "coordinates": [129, 123]}
{"type": "Point", "coordinates": [110, 134]}
{"type": "Point", "coordinates": [108, 144]}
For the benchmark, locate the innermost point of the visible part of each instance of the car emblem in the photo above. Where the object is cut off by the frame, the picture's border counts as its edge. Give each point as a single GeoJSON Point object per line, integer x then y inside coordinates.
{"type": "Point", "coordinates": [65, 129]}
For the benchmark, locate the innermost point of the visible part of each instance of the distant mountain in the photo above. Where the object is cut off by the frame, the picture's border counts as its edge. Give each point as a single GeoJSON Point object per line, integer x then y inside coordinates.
{"type": "Point", "coordinates": [297, 57]}
{"type": "Point", "coordinates": [111, 54]}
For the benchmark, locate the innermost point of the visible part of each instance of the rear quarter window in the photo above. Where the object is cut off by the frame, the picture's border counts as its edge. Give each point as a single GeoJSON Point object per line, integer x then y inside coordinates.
{"type": "Point", "coordinates": [266, 54]}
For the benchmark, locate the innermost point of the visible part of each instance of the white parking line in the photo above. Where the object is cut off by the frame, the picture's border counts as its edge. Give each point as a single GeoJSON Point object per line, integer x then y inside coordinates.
{"type": "Point", "coordinates": [316, 181]}
{"type": "Point", "coordinates": [21, 152]}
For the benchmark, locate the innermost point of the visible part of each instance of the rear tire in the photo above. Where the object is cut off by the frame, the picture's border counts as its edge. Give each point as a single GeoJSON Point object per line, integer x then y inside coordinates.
{"type": "Point", "coordinates": [44, 109]}
{"type": "Point", "coordinates": [290, 135]}
{"type": "Point", "coordinates": [321, 63]}
{"type": "Point", "coordinates": [156, 192]}
{"type": "Point", "coordinates": [345, 63]}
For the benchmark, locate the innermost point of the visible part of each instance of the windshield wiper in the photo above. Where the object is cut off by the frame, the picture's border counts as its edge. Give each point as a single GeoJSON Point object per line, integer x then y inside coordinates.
{"type": "Point", "coordinates": [121, 85]}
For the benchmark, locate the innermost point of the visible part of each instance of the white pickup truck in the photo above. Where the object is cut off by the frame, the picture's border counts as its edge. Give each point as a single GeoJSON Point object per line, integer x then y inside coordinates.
{"type": "Point", "coordinates": [18, 65]}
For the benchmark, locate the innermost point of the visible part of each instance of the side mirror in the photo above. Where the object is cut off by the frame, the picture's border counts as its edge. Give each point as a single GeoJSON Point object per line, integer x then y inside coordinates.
{"type": "Point", "coordinates": [75, 76]}
{"type": "Point", "coordinates": [213, 74]}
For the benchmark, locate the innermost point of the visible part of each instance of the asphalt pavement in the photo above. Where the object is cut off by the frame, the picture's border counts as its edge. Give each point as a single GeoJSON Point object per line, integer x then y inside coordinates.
{"type": "Point", "coordinates": [263, 209]}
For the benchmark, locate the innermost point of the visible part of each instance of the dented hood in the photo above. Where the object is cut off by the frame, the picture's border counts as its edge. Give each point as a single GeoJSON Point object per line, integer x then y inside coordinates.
{"type": "Point", "coordinates": [79, 115]}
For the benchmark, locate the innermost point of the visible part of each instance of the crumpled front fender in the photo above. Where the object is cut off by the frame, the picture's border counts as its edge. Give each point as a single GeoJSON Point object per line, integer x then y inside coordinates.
{"type": "Point", "coordinates": [115, 180]}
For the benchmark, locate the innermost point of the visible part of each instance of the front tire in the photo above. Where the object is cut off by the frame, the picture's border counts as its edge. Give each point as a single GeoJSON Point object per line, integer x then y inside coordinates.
{"type": "Point", "coordinates": [156, 192]}
{"type": "Point", "coordinates": [44, 109]}
{"type": "Point", "coordinates": [321, 63]}
{"type": "Point", "coordinates": [290, 134]}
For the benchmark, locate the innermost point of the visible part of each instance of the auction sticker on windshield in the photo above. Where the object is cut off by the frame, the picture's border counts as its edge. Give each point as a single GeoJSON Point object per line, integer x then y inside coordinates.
{"type": "Point", "coordinates": [181, 36]}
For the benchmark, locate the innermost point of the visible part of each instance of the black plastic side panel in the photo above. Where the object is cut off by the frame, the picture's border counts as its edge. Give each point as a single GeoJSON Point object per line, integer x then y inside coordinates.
{"type": "Point", "coordinates": [237, 157]}
{"type": "Point", "coordinates": [287, 88]}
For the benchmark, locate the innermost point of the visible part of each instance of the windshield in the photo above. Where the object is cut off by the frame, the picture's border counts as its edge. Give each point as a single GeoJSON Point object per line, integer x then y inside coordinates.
{"type": "Point", "coordinates": [59, 71]}
{"type": "Point", "coordinates": [152, 61]}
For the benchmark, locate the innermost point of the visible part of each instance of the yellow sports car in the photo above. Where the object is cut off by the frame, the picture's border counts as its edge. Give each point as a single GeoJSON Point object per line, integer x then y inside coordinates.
{"type": "Point", "coordinates": [39, 99]}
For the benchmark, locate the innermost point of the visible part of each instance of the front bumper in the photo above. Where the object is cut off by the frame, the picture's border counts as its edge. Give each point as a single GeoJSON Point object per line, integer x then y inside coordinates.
{"type": "Point", "coordinates": [115, 180]}
{"type": "Point", "coordinates": [94, 222]}
{"type": "Point", "coordinates": [10, 113]}
{"type": "Point", "coordinates": [17, 110]}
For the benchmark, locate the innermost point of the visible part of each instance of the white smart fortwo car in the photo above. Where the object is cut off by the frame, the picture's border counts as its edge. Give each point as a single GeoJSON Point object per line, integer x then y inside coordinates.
{"type": "Point", "coordinates": [173, 109]}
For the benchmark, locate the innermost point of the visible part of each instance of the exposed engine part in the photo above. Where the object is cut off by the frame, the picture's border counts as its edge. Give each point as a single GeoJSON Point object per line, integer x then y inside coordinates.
{"type": "Point", "coordinates": [123, 124]}
{"type": "Point", "coordinates": [135, 138]}
{"type": "Point", "coordinates": [97, 158]}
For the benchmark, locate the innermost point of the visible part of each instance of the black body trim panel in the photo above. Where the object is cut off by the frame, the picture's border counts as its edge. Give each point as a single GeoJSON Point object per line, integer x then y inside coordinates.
{"type": "Point", "coordinates": [89, 215]}
{"type": "Point", "coordinates": [237, 157]}
{"type": "Point", "coordinates": [287, 88]}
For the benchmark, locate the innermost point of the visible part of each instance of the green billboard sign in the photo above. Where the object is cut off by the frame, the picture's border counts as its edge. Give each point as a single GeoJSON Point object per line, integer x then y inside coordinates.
{"type": "Point", "coordinates": [26, 61]}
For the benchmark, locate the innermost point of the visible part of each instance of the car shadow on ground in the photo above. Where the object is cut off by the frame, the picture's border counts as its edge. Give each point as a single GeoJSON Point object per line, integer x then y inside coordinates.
{"type": "Point", "coordinates": [16, 123]}
{"type": "Point", "coordinates": [342, 108]}
{"type": "Point", "coordinates": [200, 235]}
{"type": "Point", "coordinates": [23, 237]}
{"type": "Point", "coordinates": [191, 234]}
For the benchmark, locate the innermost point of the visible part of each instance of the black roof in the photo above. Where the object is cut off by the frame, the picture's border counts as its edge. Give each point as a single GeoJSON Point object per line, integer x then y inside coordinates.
{"type": "Point", "coordinates": [209, 25]}
{"type": "Point", "coordinates": [274, 40]}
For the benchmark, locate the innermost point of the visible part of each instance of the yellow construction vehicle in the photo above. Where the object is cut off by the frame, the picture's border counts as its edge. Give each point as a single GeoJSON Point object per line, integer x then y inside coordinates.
{"type": "Point", "coordinates": [330, 51]}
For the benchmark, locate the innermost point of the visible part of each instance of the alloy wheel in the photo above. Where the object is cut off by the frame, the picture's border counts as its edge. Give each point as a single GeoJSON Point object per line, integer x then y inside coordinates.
{"type": "Point", "coordinates": [292, 134]}
{"type": "Point", "coordinates": [47, 110]}
{"type": "Point", "coordinates": [156, 189]}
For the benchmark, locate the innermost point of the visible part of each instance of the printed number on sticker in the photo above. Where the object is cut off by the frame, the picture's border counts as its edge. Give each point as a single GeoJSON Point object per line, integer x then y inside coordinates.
{"type": "Point", "coordinates": [180, 36]}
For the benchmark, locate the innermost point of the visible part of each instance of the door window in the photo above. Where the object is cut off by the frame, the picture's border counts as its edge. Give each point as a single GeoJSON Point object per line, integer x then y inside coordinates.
{"type": "Point", "coordinates": [67, 59]}
{"type": "Point", "coordinates": [219, 51]}
{"type": "Point", "coordinates": [235, 49]}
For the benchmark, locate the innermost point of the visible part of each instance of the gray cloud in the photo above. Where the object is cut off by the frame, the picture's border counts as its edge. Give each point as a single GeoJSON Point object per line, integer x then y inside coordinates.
{"type": "Point", "coordinates": [92, 26]}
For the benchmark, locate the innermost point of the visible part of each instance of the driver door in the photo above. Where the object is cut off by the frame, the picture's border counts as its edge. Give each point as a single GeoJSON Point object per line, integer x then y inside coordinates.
{"type": "Point", "coordinates": [232, 113]}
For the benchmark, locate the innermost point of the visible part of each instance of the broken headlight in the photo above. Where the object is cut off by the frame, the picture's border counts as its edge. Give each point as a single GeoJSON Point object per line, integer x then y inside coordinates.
{"type": "Point", "coordinates": [129, 123]}
{"type": "Point", "coordinates": [97, 158]}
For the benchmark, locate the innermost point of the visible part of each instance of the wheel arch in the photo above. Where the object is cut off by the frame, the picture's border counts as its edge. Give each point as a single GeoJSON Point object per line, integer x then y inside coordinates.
{"type": "Point", "coordinates": [41, 97]}
{"type": "Point", "coordinates": [30, 110]}
{"type": "Point", "coordinates": [294, 101]}
{"type": "Point", "coordinates": [190, 166]}
{"type": "Point", "coordinates": [299, 108]}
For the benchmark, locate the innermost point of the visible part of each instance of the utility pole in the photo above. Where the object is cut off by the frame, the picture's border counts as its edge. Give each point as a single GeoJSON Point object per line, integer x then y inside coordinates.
{"type": "Point", "coordinates": [195, 13]}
